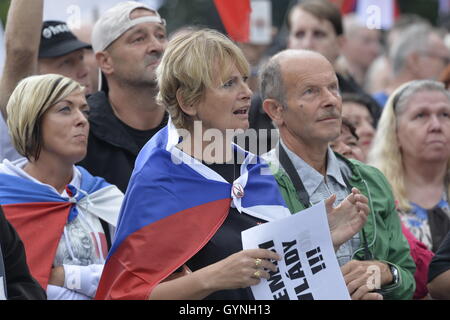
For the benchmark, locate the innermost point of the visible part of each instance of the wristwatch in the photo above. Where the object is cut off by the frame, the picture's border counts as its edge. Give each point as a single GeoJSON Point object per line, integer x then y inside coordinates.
{"type": "Point", "coordinates": [395, 275]}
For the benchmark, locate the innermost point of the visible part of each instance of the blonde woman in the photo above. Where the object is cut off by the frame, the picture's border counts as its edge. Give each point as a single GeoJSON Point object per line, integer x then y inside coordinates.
{"type": "Point", "coordinates": [412, 148]}
{"type": "Point", "coordinates": [64, 215]}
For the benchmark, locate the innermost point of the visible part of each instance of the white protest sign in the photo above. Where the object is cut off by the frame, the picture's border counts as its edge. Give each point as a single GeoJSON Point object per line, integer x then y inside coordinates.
{"type": "Point", "coordinates": [308, 269]}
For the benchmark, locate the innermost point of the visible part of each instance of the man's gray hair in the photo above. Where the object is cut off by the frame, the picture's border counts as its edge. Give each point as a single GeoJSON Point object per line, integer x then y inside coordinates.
{"type": "Point", "coordinates": [271, 81]}
{"type": "Point", "coordinates": [412, 39]}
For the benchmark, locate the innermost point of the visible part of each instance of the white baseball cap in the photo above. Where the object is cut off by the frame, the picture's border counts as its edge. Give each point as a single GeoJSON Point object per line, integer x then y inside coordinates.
{"type": "Point", "coordinates": [116, 21]}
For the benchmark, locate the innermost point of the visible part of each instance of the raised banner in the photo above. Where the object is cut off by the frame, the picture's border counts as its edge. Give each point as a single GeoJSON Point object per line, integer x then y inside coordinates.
{"type": "Point", "coordinates": [309, 269]}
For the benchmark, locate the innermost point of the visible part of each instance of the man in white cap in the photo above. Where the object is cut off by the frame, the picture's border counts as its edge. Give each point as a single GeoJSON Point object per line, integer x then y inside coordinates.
{"type": "Point", "coordinates": [128, 40]}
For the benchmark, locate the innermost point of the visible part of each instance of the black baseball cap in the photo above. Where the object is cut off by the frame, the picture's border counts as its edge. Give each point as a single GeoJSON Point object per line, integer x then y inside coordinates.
{"type": "Point", "coordinates": [57, 40]}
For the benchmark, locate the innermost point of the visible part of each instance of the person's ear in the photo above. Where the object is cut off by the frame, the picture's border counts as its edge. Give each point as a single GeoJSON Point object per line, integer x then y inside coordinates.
{"type": "Point", "coordinates": [189, 109]}
{"type": "Point", "coordinates": [274, 110]}
{"type": "Point", "coordinates": [104, 62]}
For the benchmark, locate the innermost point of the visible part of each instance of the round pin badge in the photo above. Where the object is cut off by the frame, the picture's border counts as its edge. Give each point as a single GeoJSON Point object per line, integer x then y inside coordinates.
{"type": "Point", "coordinates": [238, 190]}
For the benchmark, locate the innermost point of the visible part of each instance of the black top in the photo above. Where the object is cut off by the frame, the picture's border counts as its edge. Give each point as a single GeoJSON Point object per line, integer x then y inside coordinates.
{"type": "Point", "coordinates": [141, 137]}
{"type": "Point", "coordinates": [112, 148]}
{"type": "Point", "coordinates": [441, 261]}
{"type": "Point", "coordinates": [20, 285]}
{"type": "Point", "coordinates": [227, 240]}
{"type": "Point", "coordinates": [439, 223]}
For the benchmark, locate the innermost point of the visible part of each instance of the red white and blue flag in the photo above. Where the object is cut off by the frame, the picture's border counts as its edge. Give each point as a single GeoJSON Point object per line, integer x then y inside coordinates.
{"type": "Point", "coordinates": [173, 206]}
{"type": "Point", "coordinates": [39, 214]}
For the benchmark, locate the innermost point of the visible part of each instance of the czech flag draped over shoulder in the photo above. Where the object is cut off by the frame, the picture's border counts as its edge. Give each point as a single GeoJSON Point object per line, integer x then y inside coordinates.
{"type": "Point", "coordinates": [173, 206]}
{"type": "Point", "coordinates": [39, 215]}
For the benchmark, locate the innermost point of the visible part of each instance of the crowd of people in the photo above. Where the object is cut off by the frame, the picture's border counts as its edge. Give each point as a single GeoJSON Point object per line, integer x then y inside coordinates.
{"type": "Point", "coordinates": [110, 190]}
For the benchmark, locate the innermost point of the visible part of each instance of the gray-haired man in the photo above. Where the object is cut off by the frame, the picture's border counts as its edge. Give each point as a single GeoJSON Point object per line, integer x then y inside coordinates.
{"type": "Point", "coordinates": [301, 95]}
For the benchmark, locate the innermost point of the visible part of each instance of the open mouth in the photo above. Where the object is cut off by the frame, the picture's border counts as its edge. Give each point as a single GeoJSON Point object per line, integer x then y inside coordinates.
{"type": "Point", "coordinates": [241, 111]}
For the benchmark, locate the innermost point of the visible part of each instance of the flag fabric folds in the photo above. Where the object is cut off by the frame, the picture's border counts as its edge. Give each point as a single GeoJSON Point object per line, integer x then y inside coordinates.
{"type": "Point", "coordinates": [173, 205]}
{"type": "Point", "coordinates": [235, 15]}
{"type": "Point", "coordinates": [39, 214]}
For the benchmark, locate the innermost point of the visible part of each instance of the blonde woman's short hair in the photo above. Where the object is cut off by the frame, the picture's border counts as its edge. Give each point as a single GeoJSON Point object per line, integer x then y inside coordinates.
{"type": "Point", "coordinates": [192, 62]}
{"type": "Point", "coordinates": [29, 101]}
{"type": "Point", "coordinates": [385, 153]}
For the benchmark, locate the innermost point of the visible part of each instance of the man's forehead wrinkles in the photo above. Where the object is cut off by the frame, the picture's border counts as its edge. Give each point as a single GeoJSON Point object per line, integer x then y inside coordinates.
{"type": "Point", "coordinates": [142, 28]}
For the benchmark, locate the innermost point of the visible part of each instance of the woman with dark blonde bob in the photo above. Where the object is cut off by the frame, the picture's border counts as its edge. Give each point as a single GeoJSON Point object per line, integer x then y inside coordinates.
{"type": "Point", "coordinates": [64, 215]}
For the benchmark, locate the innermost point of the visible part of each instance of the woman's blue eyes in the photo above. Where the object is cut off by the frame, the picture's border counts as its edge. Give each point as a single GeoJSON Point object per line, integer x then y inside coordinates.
{"type": "Point", "coordinates": [67, 109]}
{"type": "Point", "coordinates": [423, 115]}
{"type": "Point", "coordinates": [231, 82]}
{"type": "Point", "coordinates": [228, 83]}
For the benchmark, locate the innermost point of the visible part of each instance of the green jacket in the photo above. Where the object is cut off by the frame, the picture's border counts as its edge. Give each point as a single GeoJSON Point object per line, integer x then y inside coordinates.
{"type": "Point", "coordinates": [382, 229]}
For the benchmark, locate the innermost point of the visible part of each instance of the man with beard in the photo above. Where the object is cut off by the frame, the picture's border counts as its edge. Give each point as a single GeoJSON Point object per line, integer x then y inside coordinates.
{"type": "Point", "coordinates": [128, 40]}
{"type": "Point", "coordinates": [301, 95]}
